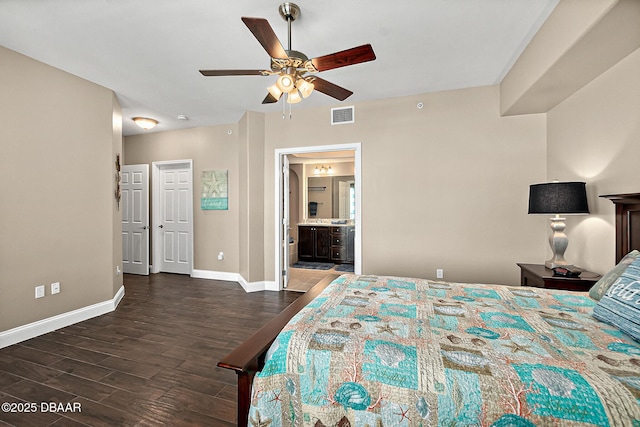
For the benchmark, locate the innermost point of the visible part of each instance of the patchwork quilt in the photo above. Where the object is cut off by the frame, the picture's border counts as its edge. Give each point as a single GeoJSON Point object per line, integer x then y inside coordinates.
{"type": "Point", "coordinates": [393, 351]}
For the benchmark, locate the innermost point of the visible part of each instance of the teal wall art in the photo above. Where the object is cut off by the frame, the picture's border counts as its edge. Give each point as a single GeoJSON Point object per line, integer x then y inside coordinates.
{"type": "Point", "coordinates": [215, 187]}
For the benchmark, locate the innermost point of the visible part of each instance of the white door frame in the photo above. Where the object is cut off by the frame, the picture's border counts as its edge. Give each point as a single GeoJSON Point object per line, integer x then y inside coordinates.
{"type": "Point", "coordinates": [155, 185]}
{"type": "Point", "coordinates": [286, 226]}
{"type": "Point", "coordinates": [356, 147]}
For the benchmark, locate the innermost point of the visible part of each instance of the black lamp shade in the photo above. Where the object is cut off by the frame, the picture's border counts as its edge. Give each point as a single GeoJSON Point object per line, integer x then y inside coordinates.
{"type": "Point", "coordinates": [558, 198]}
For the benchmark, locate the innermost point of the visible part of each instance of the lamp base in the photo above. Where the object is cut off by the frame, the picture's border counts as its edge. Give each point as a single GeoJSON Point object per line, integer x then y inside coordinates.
{"type": "Point", "coordinates": [558, 242]}
{"type": "Point", "coordinates": [551, 264]}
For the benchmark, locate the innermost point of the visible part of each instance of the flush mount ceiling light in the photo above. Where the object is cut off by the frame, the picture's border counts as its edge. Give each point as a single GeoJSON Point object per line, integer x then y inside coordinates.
{"type": "Point", "coordinates": [145, 122]}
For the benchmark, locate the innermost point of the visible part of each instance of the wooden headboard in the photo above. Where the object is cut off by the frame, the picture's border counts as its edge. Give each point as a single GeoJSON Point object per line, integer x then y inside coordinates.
{"type": "Point", "coordinates": [627, 222]}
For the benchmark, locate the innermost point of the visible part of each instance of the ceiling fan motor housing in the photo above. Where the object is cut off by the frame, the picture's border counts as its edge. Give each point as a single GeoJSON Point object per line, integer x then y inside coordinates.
{"type": "Point", "coordinates": [295, 60]}
{"type": "Point", "coordinates": [289, 11]}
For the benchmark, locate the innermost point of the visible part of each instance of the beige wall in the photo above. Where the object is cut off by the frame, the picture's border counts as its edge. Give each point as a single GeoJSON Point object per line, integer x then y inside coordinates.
{"type": "Point", "coordinates": [116, 214]}
{"type": "Point", "coordinates": [57, 170]}
{"type": "Point", "coordinates": [554, 64]}
{"type": "Point", "coordinates": [442, 187]}
{"type": "Point", "coordinates": [250, 165]}
{"type": "Point", "coordinates": [210, 148]}
{"type": "Point", "coordinates": [594, 136]}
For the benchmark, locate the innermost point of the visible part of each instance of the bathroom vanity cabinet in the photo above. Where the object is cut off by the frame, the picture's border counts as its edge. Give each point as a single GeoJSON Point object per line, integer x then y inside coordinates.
{"type": "Point", "coordinates": [325, 242]}
{"type": "Point", "coordinates": [342, 244]}
{"type": "Point", "coordinates": [314, 243]}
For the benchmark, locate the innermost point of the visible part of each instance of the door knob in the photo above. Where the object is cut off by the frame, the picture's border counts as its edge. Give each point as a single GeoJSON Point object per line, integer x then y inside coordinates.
{"type": "Point", "coordinates": [144, 227]}
{"type": "Point", "coordinates": [161, 226]}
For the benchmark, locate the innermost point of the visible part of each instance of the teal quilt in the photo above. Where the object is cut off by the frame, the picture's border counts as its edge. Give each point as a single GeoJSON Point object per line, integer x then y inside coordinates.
{"type": "Point", "coordinates": [394, 351]}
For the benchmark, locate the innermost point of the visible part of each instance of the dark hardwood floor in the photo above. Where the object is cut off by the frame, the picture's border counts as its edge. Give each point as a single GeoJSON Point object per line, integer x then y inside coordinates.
{"type": "Point", "coordinates": [150, 362]}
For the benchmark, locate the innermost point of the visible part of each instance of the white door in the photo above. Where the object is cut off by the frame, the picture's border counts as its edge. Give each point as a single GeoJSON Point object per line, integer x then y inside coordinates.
{"type": "Point", "coordinates": [285, 221]}
{"type": "Point", "coordinates": [174, 227]}
{"type": "Point", "coordinates": [134, 186]}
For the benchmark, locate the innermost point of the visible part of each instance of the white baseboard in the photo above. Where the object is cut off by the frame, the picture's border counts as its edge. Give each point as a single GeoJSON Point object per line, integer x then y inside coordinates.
{"type": "Point", "coordinates": [32, 330]}
{"type": "Point", "coordinates": [235, 277]}
{"type": "Point", "coordinates": [271, 286]}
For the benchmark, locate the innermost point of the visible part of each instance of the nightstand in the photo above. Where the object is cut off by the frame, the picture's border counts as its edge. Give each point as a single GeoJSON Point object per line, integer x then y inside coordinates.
{"type": "Point", "coordinates": [542, 277]}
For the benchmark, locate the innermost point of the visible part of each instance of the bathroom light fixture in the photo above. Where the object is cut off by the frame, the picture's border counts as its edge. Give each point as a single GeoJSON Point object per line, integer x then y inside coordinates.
{"type": "Point", "coordinates": [322, 170]}
{"type": "Point", "coordinates": [558, 198]}
{"type": "Point", "coordinates": [145, 123]}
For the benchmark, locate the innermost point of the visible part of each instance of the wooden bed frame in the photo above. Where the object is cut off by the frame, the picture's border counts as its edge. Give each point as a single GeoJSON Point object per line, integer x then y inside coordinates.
{"type": "Point", "coordinates": [627, 222]}
{"type": "Point", "coordinates": [248, 358]}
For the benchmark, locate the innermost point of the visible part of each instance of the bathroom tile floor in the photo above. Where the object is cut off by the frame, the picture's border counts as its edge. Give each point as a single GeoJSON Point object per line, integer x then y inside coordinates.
{"type": "Point", "coordinates": [302, 279]}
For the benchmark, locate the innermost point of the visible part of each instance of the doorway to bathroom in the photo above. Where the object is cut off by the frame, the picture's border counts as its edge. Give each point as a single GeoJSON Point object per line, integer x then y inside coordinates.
{"type": "Point", "coordinates": [301, 201]}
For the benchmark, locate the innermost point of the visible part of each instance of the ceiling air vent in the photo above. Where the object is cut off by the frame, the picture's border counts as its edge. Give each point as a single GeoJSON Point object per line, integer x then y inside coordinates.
{"type": "Point", "coordinates": [343, 115]}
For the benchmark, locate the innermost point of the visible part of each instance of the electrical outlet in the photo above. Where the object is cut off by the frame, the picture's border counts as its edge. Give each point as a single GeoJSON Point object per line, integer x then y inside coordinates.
{"type": "Point", "coordinates": [55, 288]}
{"type": "Point", "coordinates": [220, 256]}
{"type": "Point", "coordinates": [39, 291]}
{"type": "Point", "coordinates": [439, 273]}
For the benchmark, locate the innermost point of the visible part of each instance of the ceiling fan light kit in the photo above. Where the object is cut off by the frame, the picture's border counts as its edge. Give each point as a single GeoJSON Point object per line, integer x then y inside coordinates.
{"type": "Point", "coordinates": [294, 97]}
{"type": "Point", "coordinates": [274, 91]}
{"type": "Point", "coordinates": [294, 69]}
{"type": "Point", "coordinates": [304, 87]}
{"type": "Point", "coordinates": [285, 83]}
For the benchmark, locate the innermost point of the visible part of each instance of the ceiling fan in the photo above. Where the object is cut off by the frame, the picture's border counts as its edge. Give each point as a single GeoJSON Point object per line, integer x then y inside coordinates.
{"type": "Point", "coordinates": [295, 70]}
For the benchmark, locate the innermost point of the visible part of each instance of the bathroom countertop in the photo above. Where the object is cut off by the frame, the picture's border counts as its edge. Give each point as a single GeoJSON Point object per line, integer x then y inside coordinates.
{"type": "Point", "coordinates": [325, 224]}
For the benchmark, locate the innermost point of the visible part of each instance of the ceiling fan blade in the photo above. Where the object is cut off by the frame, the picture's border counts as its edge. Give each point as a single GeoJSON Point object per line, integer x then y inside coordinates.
{"type": "Point", "coordinates": [214, 73]}
{"type": "Point", "coordinates": [329, 88]}
{"type": "Point", "coordinates": [352, 56]}
{"type": "Point", "coordinates": [270, 99]}
{"type": "Point", "coordinates": [264, 33]}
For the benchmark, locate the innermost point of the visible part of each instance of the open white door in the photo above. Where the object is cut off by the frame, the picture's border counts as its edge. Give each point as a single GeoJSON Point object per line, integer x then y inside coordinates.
{"type": "Point", "coordinates": [285, 221]}
{"type": "Point", "coordinates": [134, 186]}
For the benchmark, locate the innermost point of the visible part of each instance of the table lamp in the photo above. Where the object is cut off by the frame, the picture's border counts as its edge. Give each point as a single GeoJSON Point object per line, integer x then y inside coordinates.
{"type": "Point", "coordinates": [559, 198]}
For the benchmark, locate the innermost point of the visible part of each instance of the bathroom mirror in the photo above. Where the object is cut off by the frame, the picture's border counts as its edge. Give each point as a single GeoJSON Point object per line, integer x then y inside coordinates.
{"type": "Point", "coordinates": [333, 196]}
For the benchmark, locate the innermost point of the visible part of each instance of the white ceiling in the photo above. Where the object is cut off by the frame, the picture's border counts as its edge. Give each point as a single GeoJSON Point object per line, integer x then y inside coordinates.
{"type": "Point", "coordinates": [149, 51]}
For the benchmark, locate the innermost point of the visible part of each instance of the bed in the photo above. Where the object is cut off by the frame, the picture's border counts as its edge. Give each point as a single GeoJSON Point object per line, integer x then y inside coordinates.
{"type": "Point", "coordinates": [379, 350]}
